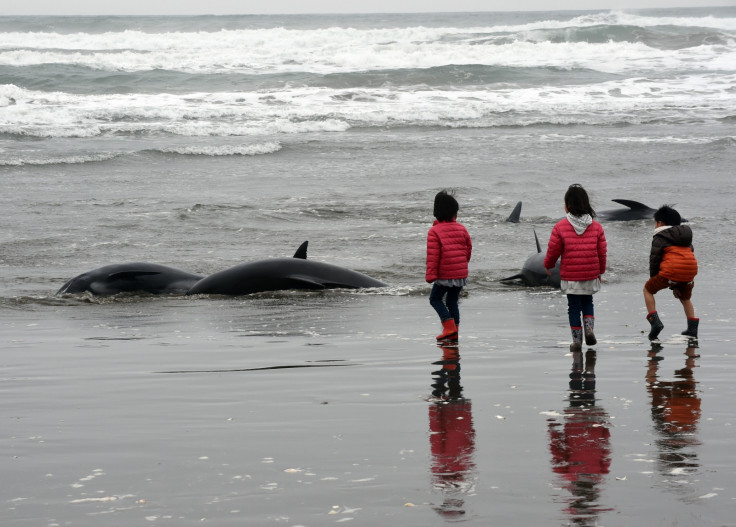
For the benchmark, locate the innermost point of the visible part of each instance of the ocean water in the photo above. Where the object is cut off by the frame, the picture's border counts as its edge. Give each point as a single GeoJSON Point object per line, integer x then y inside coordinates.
{"type": "Point", "coordinates": [204, 142]}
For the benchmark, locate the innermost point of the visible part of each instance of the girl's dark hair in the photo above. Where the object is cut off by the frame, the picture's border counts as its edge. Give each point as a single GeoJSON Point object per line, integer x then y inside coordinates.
{"type": "Point", "coordinates": [577, 202]}
{"type": "Point", "coordinates": [668, 216]}
{"type": "Point", "coordinates": [445, 206]}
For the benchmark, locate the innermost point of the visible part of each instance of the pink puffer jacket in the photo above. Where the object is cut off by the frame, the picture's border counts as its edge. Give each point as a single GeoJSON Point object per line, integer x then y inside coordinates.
{"type": "Point", "coordinates": [583, 255]}
{"type": "Point", "coordinates": [448, 251]}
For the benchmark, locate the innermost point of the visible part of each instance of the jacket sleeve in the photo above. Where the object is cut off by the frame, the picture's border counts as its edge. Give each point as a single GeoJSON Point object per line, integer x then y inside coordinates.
{"type": "Point", "coordinates": [434, 250]}
{"type": "Point", "coordinates": [554, 248]}
{"type": "Point", "coordinates": [655, 255]}
{"type": "Point", "coordinates": [470, 245]}
{"type": "Point", "coordinates": [602, 251]}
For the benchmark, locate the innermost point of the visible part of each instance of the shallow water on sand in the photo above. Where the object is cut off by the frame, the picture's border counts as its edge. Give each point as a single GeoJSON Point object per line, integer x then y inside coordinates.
{"type": "Point", "coordinates": [320, 411]}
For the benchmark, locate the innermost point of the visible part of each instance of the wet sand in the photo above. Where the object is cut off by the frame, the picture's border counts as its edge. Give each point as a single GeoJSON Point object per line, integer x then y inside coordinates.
{"type": "Point", "coordinates": [312, 409]}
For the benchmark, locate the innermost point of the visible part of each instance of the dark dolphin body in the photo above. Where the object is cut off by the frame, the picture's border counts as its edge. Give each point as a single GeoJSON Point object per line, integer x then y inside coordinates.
{"type": "Point", "coordinates": [132, 277]}
{"type": "Point", "coordinates": [633, 211]}
{"type": "Point", "coordinates": [533, 273]}
{"type": "Point", "coordinates": [277, 274]}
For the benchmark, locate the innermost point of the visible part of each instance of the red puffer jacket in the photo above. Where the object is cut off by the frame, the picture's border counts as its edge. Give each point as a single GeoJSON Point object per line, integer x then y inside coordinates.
{"type": "Point", "coordinates": [583, 255]}
{"type": "Point", "coordinates": [448, 251]}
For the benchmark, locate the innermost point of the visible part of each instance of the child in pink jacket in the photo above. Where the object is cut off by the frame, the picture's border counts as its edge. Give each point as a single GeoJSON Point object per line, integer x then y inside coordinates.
{"type": "Point", "coordinates": [581, 243]}
{"type": "Point", "coordinates": [448, 253]}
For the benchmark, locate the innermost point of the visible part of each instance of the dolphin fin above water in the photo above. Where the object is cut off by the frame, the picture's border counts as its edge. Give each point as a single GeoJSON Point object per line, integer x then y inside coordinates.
{"type": "Point", "coordinates": [515, 214]}
{"type": "Point", "coordinates": [536, 239]}
{"type": "Point", "coordinates": [301, 252]}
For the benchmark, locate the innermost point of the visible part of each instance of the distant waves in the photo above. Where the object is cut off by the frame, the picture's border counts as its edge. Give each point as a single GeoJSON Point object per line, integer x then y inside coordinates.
{"type": "Point", "coordinates": [76, 90]}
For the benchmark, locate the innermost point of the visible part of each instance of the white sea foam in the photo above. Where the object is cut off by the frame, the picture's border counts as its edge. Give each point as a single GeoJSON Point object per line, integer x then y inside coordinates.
{"type": "Point", "coordinates": [340, 50]}
{"type": "Point", "coordinates": [514, 75]}
{"type": "Point", "coordinates": [292, 57]}
{"type": "Point", "coordinates": [228, 150]}
{"type": "Point", "coordinates": [19, 160]}
{"type": "Point", "coordinates": [304, 109]}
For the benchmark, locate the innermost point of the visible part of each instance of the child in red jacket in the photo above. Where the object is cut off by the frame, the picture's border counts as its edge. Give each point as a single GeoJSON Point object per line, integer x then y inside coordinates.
{"type": "Point", "coordinates": [581, 242]}
{"type": "Point", "coordinates": [448, 253]}
{"type": "Point", "coordinates": [672, 264]}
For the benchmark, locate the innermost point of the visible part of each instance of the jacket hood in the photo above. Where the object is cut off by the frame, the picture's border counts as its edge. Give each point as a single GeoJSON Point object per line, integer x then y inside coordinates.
{"type": "Point", "coordinates": [579, 223]}
{"type": "Point", "coordinates": [681, 235]}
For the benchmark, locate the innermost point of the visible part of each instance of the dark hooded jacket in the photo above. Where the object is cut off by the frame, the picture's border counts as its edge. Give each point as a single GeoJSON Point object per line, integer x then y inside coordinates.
{"type": "Point", "coordinates": [672, 254]}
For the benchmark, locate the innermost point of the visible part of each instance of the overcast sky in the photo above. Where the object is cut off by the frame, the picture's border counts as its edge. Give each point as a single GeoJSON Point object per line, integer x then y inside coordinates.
{"type": "Point", "coordinates": [224, 7]}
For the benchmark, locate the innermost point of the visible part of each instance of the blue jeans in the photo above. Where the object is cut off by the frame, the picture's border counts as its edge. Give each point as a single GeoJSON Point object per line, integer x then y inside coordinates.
{"type": "Point", "coordinates": [449, 308]}
{"type": "Point", "coordinates": [577, 304]}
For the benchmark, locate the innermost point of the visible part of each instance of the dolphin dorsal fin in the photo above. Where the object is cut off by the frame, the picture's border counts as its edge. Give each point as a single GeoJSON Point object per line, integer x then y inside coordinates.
{"type": "Point", "coordinates": [515, 214]}
{"type": "Point", "coordinates": [536, 239]}
{"type": "Point", "coordinates": [301, 252]}
{"type": "Point", "coordinates": [634, 205]}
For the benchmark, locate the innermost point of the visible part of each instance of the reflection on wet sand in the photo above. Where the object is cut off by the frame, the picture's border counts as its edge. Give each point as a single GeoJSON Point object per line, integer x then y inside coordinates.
{"type": "Point", "coordinates": [579, 443]}
{"type": "Point", "coordinates": [675, 416]}
{"type": "Point", "coordinates": [451, 436]}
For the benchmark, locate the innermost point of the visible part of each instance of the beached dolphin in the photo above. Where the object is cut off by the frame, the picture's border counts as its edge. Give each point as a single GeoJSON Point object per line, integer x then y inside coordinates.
{"type": "Point", "coordinates": [275, 274]}
{"type": "Point", "coordinates": [132, 277]}
{"type": "Point", "coordinates": [533, 273]}
{"type": "Point", "coordinates": [515, 214]}
{"type": "Point", "coordinates": [633, 211]}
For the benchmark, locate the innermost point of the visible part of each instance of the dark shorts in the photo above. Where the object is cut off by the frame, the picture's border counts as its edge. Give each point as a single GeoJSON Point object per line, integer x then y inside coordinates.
{"type": "Point", "coordinates": [681, 290]}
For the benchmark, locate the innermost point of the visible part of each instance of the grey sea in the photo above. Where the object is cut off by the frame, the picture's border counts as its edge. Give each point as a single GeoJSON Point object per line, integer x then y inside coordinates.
{"type": "Point", "coordinates": [205, 142]}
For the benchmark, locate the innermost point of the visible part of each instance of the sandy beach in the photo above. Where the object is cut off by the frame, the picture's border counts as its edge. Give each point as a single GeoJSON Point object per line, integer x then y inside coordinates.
{"type": "Point", "coordinates": [221, 417]}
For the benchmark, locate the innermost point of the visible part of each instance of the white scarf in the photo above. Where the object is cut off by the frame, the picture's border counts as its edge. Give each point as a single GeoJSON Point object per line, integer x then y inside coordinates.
{"type": "Point", "coordinates": [579, 223]}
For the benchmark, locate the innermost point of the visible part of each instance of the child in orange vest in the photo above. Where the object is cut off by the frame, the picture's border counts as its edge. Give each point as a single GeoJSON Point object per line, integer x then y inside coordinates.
{"type": "Point", "coordinates": [672, 264]}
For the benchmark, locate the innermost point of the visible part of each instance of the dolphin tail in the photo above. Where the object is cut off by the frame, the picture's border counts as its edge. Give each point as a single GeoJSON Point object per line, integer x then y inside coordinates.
{"type": "Point", "coordinates": [518, 276]}
{"type": "Point", "coordinates": [633, 205]}
{"type": "Point", "coordinates": [301, 252]}
{"type": "Point", "coordinates": [515, 214]}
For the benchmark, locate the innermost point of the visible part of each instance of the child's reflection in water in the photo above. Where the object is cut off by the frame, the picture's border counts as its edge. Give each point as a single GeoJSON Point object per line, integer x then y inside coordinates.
{"type": "Point", "coordinates": [451, 436]}
{"type": "Point", "coordinates": [675, 415]}
{"type": "Point", "coordinates": [580, 444]}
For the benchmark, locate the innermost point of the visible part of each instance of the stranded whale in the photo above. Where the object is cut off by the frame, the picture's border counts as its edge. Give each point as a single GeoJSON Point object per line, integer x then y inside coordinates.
{"type": "Point", "coordinates": [275, 274]}
{"type": "Point", "coordinates": [132, 277]}
{"type": "Point", "coordinates": [633, 211]}
{"type": "Point", "coordinates": [533, 273]}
